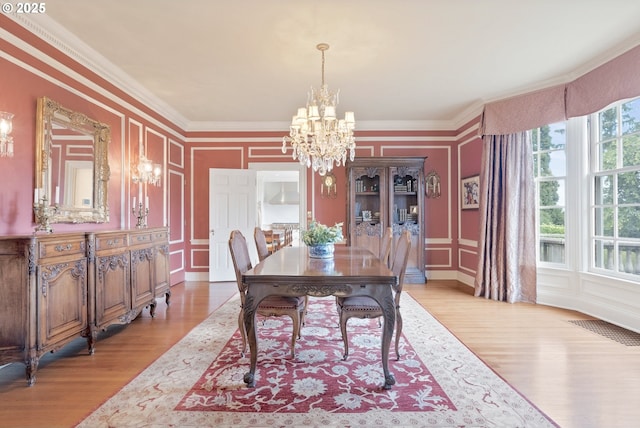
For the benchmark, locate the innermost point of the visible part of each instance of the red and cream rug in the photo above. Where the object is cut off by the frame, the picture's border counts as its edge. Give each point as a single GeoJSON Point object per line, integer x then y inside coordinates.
{"type": "Point", "coordinates": [199, 382]}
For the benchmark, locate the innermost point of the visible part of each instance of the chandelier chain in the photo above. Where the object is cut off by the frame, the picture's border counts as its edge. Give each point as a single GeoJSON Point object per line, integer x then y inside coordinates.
{"type": "Point", "coordinates": [322, 50]}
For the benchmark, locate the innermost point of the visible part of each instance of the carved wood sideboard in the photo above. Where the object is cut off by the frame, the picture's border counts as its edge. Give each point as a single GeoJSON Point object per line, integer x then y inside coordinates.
{"type": "Point", "coordinates": [58, 287]}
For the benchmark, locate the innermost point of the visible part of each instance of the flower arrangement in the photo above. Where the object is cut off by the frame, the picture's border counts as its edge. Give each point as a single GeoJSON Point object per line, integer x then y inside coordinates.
{"type": "Point", "coordinates": [318, 234]}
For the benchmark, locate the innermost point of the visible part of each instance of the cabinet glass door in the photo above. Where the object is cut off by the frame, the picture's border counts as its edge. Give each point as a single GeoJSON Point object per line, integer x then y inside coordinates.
{"type": "Point", "coordinates": [368, 209]}
{"type": "Point", "coordinates": [404, 200]}
{"type": "Point", "coordinates": [405, 210]}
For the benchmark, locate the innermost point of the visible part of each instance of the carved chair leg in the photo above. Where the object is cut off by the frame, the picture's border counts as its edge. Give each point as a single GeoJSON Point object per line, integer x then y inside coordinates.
{"type": "Point", "coordinates": [243, 332]}
{"type": "Point", "coordinates": [304, 311]}
{"type": "Point", "coordinates": [343, 330]}
{"type": "Point", "coordinates": [295, 320]}
{"type": "Point", "coordinates": [302, 316]}
{"type": "Point", "coordinates": [398, 332]}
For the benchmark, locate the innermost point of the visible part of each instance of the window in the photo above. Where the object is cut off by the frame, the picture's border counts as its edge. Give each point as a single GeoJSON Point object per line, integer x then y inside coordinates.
{"type": "Point", "coordinates": [550, 170]}
{"type": "Point", "coordinates": [615, 207]}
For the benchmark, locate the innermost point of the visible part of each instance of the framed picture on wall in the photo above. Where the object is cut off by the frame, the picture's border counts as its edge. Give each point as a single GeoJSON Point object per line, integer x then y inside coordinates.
{"type": "Point", "coordinates": [470, 192]}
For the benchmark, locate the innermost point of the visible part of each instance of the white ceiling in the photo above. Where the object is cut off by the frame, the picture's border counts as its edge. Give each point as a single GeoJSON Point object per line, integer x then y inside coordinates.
{"type": "Point", "coordinates": [209, 64]}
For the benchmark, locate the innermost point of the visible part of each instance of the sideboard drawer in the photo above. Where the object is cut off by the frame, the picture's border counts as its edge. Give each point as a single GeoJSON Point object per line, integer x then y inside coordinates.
{"type": "Point", "coordinates": [55, 246]}
{"type": "Point", "coordinates": [161, 235]}
{"type": "Point", "coordinates": [111, 241]}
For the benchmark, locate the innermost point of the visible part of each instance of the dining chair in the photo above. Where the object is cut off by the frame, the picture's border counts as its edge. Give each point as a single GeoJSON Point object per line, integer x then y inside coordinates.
{"type": "Point", "coordinates": [271, 244]}
{"type": "Point", "coordinates": [367, 307]}
{"type": "Point", "coordinates": [263, 253]}
{"type": "Point", "coordinates": [271, 306]}
{"type": "Point", "coordinates": [385, 245]}
{"type": "Point", "coordinates": [261, 243]}
{"type": "Point", "coordinates": [288, 237]}
{"type": "Point", "coordinates": [383, 254]}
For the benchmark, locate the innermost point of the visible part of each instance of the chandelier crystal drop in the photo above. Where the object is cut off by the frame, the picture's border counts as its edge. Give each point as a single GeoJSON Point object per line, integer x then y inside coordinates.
{"type": "Point", "coordinates": [318, 138]}
{"type": "Point", "coordinates": [146, 172]}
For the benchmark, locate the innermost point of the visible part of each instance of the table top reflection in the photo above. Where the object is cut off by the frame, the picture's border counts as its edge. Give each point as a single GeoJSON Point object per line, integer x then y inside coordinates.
{"type": "Point", "coordinates": [348, 263]}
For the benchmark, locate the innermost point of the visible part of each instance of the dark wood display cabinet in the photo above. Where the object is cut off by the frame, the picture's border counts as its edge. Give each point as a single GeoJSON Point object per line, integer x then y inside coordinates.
{"type": "Point", "coordinates": [387, 192]}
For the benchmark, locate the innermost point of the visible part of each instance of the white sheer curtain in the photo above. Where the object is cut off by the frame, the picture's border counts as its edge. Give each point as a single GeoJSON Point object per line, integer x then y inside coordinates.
{"type": "Point", "coordinates": [507, 253]}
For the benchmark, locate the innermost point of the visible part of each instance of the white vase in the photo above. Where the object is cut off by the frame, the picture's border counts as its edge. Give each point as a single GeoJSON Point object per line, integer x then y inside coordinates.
{"type": "Point", "coordinates": [322, 251]}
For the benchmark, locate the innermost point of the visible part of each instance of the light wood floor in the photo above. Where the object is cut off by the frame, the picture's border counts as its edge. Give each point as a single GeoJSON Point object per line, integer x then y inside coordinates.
{"type": "Point", "coordinates": [576, 377]}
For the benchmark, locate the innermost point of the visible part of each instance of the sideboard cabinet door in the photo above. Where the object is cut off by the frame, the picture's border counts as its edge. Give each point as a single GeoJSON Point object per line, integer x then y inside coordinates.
{"type": "Point", "coordinates": [113, 292]}
{"type": "Point", "coordinates": [62, 290]}
{"type": "Point", "coordinates": [142, 270]}
{"type": "Point", "coordinates": [162, 277]}
{"type": "Point", "coordinates": [61, 286]}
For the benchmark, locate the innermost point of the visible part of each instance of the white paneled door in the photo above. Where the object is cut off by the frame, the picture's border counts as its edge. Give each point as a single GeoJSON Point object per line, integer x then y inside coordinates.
{"type": "Point", "coordinates": [232, 205]}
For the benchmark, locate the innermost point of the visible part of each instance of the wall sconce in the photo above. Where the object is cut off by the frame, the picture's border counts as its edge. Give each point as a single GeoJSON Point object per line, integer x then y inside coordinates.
{"type": "Point", "coordinates": [6, 140]}
{"type": "Point", "coordinates": [328, 188]}
{"type": "Point", "coordinates": [146, 172]}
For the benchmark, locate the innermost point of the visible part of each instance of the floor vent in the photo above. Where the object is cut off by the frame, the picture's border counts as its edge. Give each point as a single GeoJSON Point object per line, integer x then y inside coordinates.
{"type": "Point", "coordinates": [610, 331]}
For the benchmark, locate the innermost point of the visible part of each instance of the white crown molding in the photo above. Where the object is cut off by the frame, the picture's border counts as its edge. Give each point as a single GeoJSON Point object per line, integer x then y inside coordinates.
{"type": "Point", "coordinates": [385, 125]}
{"type": "Point", "coordinates": [60, 38]}
{"type": "Point", "coordinates": [468, 115]}
{"type": "Point", "coordinates": [404, 125]}
{"type": "Point", "coordinates": [609, 55]}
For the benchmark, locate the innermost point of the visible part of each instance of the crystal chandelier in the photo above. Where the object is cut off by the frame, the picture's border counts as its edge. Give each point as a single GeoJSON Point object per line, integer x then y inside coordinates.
{"type": "Point", "coordinates": [317, 137]}
{"type": "Point", "coordinates": [147, 172]}
{"type": "Point", "coordinates": [6, 140]}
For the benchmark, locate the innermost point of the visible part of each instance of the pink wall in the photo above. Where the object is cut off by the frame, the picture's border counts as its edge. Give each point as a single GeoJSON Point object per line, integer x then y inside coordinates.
{"type": "Point", "coordinates": [181, 202]}
{"type": "Point", "coordinates": [470, 154]}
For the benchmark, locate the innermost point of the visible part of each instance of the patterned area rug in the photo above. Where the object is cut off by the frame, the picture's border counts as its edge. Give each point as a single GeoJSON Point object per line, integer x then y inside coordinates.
{"type": "Point", "coordinates": [610, 331]}
{"type": "Point", "coordinates": [198, 382]}
{"type": "Point", "coordinates": [318, 378]}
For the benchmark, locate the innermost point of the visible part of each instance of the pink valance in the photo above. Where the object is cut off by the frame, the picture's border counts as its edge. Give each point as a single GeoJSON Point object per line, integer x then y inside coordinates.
{"type": "Point", "coordinates": [613, 81]}
{"type": "Point", "coordinates": [524, 112]}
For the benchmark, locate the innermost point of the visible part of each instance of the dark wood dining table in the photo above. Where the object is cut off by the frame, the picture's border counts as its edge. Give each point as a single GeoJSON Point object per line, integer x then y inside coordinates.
{"type": "Point", "coordinates": [291, 272]}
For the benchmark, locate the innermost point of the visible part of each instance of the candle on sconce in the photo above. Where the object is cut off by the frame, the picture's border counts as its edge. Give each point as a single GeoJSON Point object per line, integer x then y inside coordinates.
{"type": "Point", "coordinates": [35, 195]}
{"type": "Point", "coordinates": [146, 201]}
{"type": "Point", "coordinates": [134, 202]}
{"type": "Point", "coordinates": [57, 194]}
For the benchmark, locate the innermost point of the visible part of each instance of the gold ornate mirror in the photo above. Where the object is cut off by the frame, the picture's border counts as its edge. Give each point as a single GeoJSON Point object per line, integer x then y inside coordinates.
{"type": "Point", "coordinates": [72, 165]}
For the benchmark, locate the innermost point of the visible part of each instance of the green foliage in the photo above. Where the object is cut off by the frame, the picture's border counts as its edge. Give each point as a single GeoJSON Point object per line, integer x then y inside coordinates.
{"type": "Point", "coordinates": [551, 229]}
{"type": "Point", "coordinates": [552, 216]}
{"type": "Point", "coordinates": [318, 234]}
